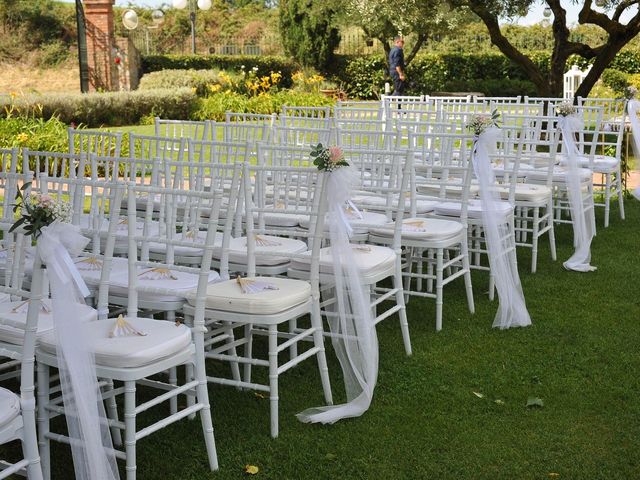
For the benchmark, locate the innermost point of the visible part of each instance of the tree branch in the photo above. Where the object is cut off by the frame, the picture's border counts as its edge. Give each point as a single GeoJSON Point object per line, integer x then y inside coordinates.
{"type": "Point", "coordinates": [621, 8]}
{"type": "Point", "coordinates": [416, 48]}
{"type": "Point", "coordinates": [499, 40]}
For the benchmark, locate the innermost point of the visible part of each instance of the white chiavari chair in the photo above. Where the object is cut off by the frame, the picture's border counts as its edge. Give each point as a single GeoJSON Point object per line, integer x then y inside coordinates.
{"type": "Point", "coordinates": [132, 359]}
{"type": "Point", "coordinates": [193, 129]}
{"type": "Point", "coordinates": [17, 412]}
{"type": "Point", "coordinates": [256, 311]}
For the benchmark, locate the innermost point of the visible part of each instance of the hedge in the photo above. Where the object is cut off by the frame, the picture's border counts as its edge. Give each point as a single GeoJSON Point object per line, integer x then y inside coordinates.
{"type": "Point", "coordinates": [489, 73]}
{"type": "Point", "coordinates": [112, 108]}
{"type": "Point", "coordinates": [265, 64]}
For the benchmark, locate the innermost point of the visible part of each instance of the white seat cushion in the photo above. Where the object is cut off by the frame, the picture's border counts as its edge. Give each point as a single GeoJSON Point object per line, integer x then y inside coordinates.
{"type": "Point", "coordinates": [91, 268]}
{"type": "Point", "coordinates": [371, 260]}
{"type": "Point", "coordinates": [527, 192]}
{"type": "Point", "coordinates": [228, 296]}
{"type": "Point", "coordinates": [359, 223]}
{"type": "Point", "coordinates": [15, 335]}
{"type": "Point", "coordinates": [601, 163]}
{"type": "Point", "coordinates": [424, 228]}
{"type": "Point", "coordinates": [280, 245]}
{"type": "Point", "coordinates": [9, 406]}
{"type": "Point", "coordinates": [375, 202]}
{"type": "Point", "coordinates": [474, 210]}
{"type": "Point", "coordinates": [179, 285]}
{"type": "Point", "coordinates": [182, 250]}
{"type": "Point", "coordinates": [559, 173]}
{"type": "Point", "coordinates": [162, 340]}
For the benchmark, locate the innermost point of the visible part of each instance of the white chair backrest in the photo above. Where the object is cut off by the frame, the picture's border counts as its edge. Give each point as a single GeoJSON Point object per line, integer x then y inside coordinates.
{"type": "Point", "coordinates": [307, 112]}
{"type": "Point", "coordinates": [253, 118]}
{"type": "Point", "coordinates": [193, 129]}
{"type": "Point", "coordinates": [301, 136]}
{"type": "Point", "coordinates": [92, 141]}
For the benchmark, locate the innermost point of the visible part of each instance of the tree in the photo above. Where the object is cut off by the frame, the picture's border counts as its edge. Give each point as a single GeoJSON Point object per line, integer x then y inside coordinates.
{"type": "Point", "coordinates": [384, 19]}
{"type": "Point", "coordinates": [309, 31]}
{"type": "Point", "coordinates": [550, 83]}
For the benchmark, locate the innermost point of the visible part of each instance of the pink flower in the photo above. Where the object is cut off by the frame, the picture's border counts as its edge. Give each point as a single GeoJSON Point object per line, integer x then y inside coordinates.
{"type": "Point", "coordinates": [335, 154]}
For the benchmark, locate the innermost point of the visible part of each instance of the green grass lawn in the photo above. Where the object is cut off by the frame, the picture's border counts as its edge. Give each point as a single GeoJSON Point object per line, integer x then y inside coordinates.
{"type": "Point", "coordinates": [426, 421]}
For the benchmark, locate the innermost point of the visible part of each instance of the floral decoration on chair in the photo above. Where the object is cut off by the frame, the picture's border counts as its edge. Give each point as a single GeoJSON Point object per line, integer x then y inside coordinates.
{"type": "Point", "coordinates": [38, 211]}
{"type": "Point", "coordinates": [328, 159]}
{"type": "Point", "coordinates": [565, 109]}
{"type": "Point", "coordinates": [478, 123]}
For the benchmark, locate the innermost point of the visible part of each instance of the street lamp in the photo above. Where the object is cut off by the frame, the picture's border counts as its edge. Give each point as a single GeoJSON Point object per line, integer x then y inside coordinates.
{"type": "Point", "coordinates": [202, 5]}
{"type": "Point", "coordinates": [130, 20]}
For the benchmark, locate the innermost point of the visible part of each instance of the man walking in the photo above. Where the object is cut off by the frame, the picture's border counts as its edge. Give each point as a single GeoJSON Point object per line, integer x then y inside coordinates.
{"type": "Point", "coordinates": [396, 66]}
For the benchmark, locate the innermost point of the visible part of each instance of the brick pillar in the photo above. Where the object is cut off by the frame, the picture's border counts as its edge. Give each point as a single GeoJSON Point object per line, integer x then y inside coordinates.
{"type": "Point", "coordinates": [101, 45]}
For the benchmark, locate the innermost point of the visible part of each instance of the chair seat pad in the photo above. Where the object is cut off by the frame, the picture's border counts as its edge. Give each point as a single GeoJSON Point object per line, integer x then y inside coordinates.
{"type": "Point", "coordinates": [228, 296]}
{"type": "Point", "coordinates": [91, 270]}
{"type": "Point", "coordinates": [179, 285]}
{"type": "Point", "coordinates": [528, 192]}
{"type": "Point", "coordinates": [162, 340]}
{"type": "Point", "coordinates": [376, 202]}
{"type": "Point", "coordinates": [601, 163]}
{"type": "Point", "coordinates": [9, 406]}
{"type": "Point", "coordinates": [183, 250]}
{"type": "Point", "coordinates": [282, 247]}
{"type": "Point", "coordinates": [425, 229]}
{"type": "Point", "coordinates": [559, 173]}
{"type": "Point", "coordinates": [371, 260]}
{"type": "Point", "coordinates": [15, 336]}
{"type": "Point", "coordinates": [474, 210]}
{"type": "Point", "coordinates": [359, 223]}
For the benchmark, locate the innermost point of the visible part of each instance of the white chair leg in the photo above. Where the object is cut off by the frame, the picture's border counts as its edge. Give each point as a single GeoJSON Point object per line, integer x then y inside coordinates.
{"type": "Point", "coordinates": [173, 380]}
{"type": "Point", "coordinates": [318, 342]}
{"type": "Point", "coordinates": [273, 379]}
{"type": "Point", "coordinates": [607, 199]}
{"type": "Point", "coordinates": [293, 350]}
{"type": "Point", "coordinates": [112, 413]}
{"type": "Point", "coordinates": [248, 351]}
{"type": "Point", "coordinates": [534, 239]}
{"type": "Point", "coordinates": [130, 428]}
{"type": "Point", "coordinates": [439, 269]}
{"type": "Point", "coordinates": [189, 375]}
{"type": "Point", "coordinates": [30, 442]}
{"type": "Point", "coordinates": [43, 420]}
{"type": "Point", "coordinates": [235, 368]}
{"type": "Point", "coordinates": [205, 414]}
{"type": "Point", "coordinates": [402, 313]}
{"type": "Point", "coordinates": [464, 248]}
{"type": "Point", "coordinates": [620, 193]}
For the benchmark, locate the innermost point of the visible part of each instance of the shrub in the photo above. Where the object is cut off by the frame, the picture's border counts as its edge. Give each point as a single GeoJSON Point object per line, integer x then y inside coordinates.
{"type": "Point", "coordinates": [615, 80]}
{"type": "Point", "coordinates": [194, 79]}
{"type": "Point", "coordinates": [229, 63]}
{"type": "Point", "coordinates": [364, 77]}
{"type": "Point", "coordinates": [309, 31]}
{"type": "Point", "coordinates": [33, 133]}
{"type": "Point", "coordinates": [114, 108]}
{"type": "Point", "coordinates": [53, 54]}
{"type": "Point", "coordinates": [215, 106]}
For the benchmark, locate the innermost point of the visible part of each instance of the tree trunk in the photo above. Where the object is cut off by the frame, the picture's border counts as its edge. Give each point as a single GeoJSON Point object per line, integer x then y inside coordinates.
{"type": "Point", "coordinates": [602, 61]}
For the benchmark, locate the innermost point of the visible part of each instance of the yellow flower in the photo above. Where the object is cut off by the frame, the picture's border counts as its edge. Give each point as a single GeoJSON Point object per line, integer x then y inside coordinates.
{"type": "Point", "coordinates": [275, 77]}
{"type": "Point", "coordinates": [22, 137]}
{"type": "Point", "coordinates": [251, 469]}
{"type": "Point", "coordinates": [216, 87]}
{"type": "Point", "coordinates": [298, 77]}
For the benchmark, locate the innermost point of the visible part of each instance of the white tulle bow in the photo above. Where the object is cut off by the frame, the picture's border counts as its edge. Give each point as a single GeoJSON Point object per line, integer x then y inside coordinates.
{"type": "Point", "coordinates": [93, 457]}
{"type": "Point", "coordinates": [582, 226]}
{"type": "Point", "coordinates": [634, 121]}
{"type": "Point", "coordinates": [512, 311]}
{"type": "Point", "coordinates": [353, 332]}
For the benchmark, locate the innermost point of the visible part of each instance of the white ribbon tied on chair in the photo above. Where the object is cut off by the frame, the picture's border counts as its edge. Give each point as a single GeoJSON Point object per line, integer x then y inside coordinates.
{"type": "Point", "coordinates": [354, 335]}
{"type": "Point", "coordinates": [632, 109]}
{"type": "Point", "coordinates": [93, 457]}
{"type": "Point", "coordinates": [512, 311]}
{"type": "Point", "coordinates": [582, 227]}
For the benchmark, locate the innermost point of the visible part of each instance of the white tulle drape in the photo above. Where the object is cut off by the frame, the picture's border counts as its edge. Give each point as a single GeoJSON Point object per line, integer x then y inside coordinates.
{"type": "Point", "coordinates": [512, 311]}
{"type": "Point", "coordinates": [632, 109]}
{"type": "Point", "coordinates": [353, 332]}
{"type": "Point", "coordinates": [582, 226]}
{"type": "Point", "coordinates": [93, 457]}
